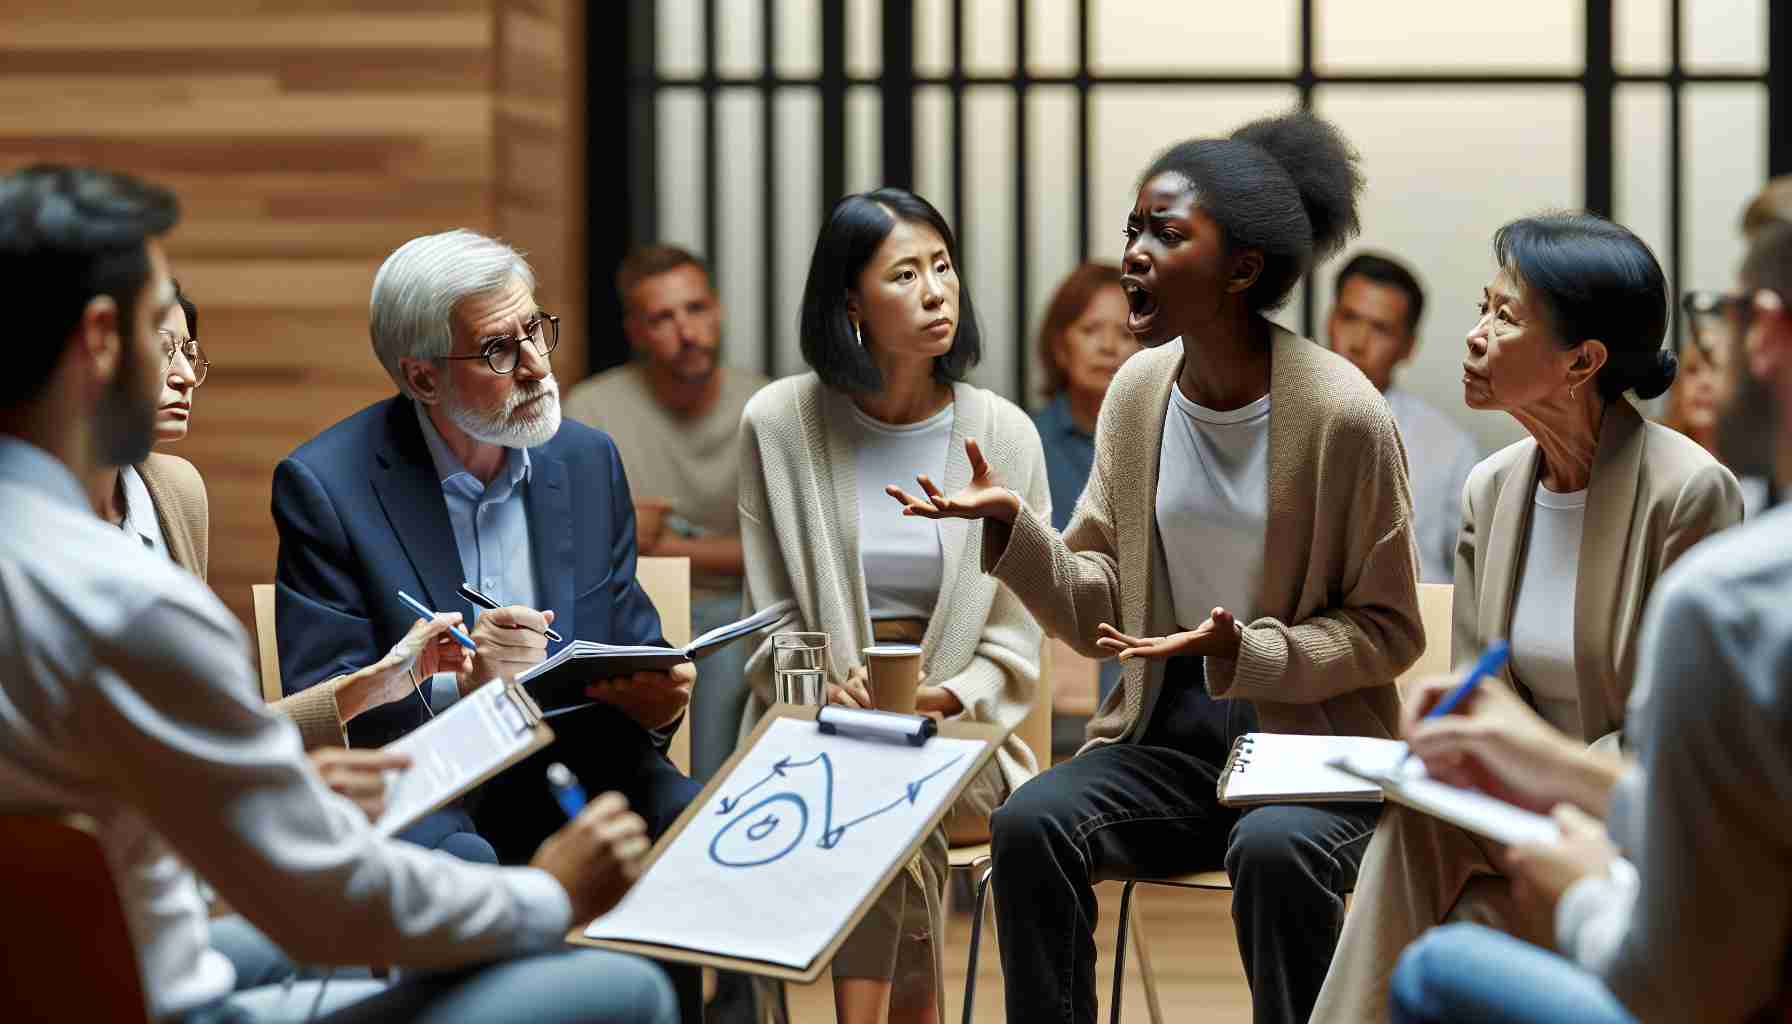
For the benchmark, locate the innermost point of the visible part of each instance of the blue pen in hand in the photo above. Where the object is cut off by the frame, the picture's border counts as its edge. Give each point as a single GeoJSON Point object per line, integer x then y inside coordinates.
{"type": "Point", "coordinates": [1487, 664]}
{"type": "Point", "coordinates": [418, 607]}
{"type": "Point", "coordinates": [567, 791]}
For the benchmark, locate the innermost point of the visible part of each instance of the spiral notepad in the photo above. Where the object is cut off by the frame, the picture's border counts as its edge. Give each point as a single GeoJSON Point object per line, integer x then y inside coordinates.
{"type": "Point", "coordinates": [1276, 768]}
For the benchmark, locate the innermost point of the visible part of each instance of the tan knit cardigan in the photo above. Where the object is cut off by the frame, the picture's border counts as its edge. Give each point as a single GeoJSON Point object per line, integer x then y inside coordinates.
{"type": "Point", "coordinates": [1338, 604]}
{"type": "Point", "coordinates": [184, 513]}
{"type": "Point", "coordinates": [799, 517]}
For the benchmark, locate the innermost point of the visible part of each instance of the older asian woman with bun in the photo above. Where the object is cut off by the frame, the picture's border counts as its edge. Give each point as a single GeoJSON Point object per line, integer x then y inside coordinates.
{"type": "Point", "coordinates": [1564, 535]}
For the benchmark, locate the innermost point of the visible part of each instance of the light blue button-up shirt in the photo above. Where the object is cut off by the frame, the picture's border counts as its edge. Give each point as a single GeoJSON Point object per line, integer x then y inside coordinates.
{"type": "Point", "coordinates": [491, 532]}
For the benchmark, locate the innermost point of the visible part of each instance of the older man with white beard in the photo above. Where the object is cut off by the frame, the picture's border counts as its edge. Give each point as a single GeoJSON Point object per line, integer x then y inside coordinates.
{"type": "Point", "coordinates": [469, 475]}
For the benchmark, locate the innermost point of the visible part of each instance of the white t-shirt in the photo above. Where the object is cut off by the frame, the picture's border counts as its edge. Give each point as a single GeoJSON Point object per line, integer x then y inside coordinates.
{"type": "Point", "coordinates": [899, 555]}
{"type": "Point", "coordinates": [1212, 506]}
{"type": "Point", "coordinates": [1543, 610]}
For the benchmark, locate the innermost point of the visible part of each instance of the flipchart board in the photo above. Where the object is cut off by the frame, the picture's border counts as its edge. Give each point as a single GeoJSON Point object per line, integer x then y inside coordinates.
{"type": "Point", "coordinates": [783, 853]}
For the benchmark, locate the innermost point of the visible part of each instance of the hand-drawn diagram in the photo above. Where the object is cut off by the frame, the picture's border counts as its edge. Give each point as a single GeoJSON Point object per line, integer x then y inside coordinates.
{"type": "Point", "coordinates": [775, 825]}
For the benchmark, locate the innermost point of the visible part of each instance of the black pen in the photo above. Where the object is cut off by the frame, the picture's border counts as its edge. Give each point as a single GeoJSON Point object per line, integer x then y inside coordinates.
{"type": "Point", "coordinates": [467, 591]}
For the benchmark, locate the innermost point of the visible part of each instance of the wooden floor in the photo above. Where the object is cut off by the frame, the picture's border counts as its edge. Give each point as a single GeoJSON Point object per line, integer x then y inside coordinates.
{"type": "Point", "coordinates": [1191, 945]}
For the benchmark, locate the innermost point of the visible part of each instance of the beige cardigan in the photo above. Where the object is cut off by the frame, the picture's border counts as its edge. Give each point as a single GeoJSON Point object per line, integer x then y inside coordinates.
{"type": "Point", "coordinates": [184, 513]}
{"type": "Point", "coordinates": [799, 519]}
{"type": "Point", "coordinates": [1653, 494]}
{"type": "Point", "coordinates": [1338, 604]}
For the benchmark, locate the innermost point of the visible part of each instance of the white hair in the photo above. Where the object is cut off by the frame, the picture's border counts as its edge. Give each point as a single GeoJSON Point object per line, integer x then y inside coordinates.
{"type": "Point", "coordinates": [416, 290]}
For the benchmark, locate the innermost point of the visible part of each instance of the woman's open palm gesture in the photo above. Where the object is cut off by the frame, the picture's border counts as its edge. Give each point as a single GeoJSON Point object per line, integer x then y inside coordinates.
{"type": "Point", "coordinates": [983, 498]}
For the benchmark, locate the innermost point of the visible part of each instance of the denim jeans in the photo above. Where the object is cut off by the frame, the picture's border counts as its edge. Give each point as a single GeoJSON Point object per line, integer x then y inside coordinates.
{"type": "Point", "coordinates": [562, 985]}
{"type": "Point", "coordinates": [1469, 974]}
{"type": "Point", "coordinates": [1149, 809]}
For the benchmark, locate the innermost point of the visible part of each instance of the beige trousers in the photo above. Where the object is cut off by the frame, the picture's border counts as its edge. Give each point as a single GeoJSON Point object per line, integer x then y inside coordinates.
{"type": "Point", "coordinates": [1418, 872]}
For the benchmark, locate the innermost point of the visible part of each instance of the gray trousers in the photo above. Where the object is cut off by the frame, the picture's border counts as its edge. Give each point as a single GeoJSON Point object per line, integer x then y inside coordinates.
{"type": "Point", "coordinates": [720, 696]}
{"type": "Point", "coordinates": [563, 985]}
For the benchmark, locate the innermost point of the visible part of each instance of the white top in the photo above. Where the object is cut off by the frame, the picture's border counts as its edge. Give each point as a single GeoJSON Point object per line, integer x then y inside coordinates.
{"type": "Point", "coordinates": [126, 695]}
{"type": "Point", "coordinates": [1755, 493]}
{"type": "Point", "coordinates": [1543, 609]}
{"type": "Point", "coordinates": [1213, 506]}
{"type": "Point", "coordinates": [140, 512]}
{"type": "Point", "coordinates": [1439, 456]}
{"type": "Point", "coordinates": [899, 555]}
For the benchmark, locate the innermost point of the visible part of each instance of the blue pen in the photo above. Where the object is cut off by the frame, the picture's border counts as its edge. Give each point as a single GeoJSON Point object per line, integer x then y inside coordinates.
{"type": "Point", "coordinates": [417, 606]}
{"type": "Point", "coordinates": [1487, 664]}
{"type": "Point", "coordinates": [567, 791]}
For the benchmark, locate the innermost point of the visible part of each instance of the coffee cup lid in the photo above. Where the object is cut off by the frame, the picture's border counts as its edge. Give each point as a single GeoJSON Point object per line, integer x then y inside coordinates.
{"type": "Point", "coordinates": [892, 650]}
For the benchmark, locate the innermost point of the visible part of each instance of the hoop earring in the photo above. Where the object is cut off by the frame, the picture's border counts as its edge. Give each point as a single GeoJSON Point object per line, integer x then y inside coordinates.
{"type": "Point", "coordinates": [858, 331]}
{"type": "Point", "coordinates": [1571, 388]}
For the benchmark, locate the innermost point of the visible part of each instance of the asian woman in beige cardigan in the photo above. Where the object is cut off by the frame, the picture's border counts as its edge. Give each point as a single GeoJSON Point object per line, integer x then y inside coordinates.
{"type": "Point", "coordinates": [1563, 537]}
{"type": "Point", "coordinates": [1245, 545]}
{"type": "Point", "coordinates": [889, 330]}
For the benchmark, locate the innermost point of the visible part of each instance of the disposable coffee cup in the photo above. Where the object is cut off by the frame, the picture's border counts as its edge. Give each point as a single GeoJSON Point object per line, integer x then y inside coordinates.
{"type": "Point", "coordinates": [895, 671]}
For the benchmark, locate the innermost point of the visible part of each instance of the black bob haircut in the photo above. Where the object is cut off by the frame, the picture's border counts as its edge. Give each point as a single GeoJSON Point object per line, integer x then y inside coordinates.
{"type": "Point", "coordinates": [1374, 266]}
{"type": "Point", "coordinates": [856, 227]}
{"type": "Point", "coordinates": [1285, 186]}
{"type": "Point", "coordinates": [186, 307]}
{"type": "Point", "coordinates": [68, 234]}
{"type": "Point", "coordinates": [1596, 279]}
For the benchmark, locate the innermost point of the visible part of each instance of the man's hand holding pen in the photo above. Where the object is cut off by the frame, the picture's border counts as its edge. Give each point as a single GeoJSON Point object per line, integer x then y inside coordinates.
{"type": "Point", "coordinates": [509, 641]}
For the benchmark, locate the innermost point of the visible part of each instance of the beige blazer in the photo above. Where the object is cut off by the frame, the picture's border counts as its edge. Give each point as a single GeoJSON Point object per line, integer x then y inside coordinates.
{"type": "Point", "coordinates": [1338, 601]}
{"type": "Point", "coordinates": [182, 509]}
{"type": "Point", "coordinates": [1653, 494]}
{"type": "Point", "coordinates": [184, 513]}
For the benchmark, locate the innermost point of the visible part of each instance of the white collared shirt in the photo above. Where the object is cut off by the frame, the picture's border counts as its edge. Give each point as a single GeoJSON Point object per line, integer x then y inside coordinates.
{"type": "Point", "coordinates": [126, 694]}
{"type": "Point", "coordinates": [140, 518]}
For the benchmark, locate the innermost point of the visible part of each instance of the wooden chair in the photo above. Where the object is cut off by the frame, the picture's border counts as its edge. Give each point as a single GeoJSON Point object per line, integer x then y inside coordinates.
{"type": "Point", "coordinates": [263, 594]}
{"type": "Point", "coordinates": [1036, 732]}
{"type": "Point", "coordinates": [667, 582]}
{"type": "Point", "coordinates": [68, 954]}
{"type": "Point", "coordinates": [1435, 604]}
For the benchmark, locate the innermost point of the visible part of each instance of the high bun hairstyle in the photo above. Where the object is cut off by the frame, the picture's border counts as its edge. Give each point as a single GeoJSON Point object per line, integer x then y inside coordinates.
{"type": "Point", "coordinates": [1596, 279]}
{"type": "Point", "coordinates": [1286, 186]}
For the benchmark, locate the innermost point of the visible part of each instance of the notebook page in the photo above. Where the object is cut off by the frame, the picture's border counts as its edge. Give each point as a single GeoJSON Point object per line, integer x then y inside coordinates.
{"type": "Point", "coordinates": [481, 732]}
{"type": "Point", "coordinates": [1274, 766]}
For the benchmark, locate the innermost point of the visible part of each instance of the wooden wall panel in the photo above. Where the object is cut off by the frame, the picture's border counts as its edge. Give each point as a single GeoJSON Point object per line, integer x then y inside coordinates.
{"type": "Point", "coordinates": [307, 139]}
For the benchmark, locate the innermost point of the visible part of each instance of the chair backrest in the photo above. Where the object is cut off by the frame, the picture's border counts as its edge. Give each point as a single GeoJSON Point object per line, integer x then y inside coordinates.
{"type": "Point", "coordinates": [66, 953]}
{"type": "Point", "coordinates": [1436, 602]}
{"type": "Point", "coordinates": [667, 582]}
{"type": "Point", "coordinates": [265, 642]}
{"type": "Point", "coordinates": [1076, 680]}
{"type": "Point", "coordinates": [1035, 730]}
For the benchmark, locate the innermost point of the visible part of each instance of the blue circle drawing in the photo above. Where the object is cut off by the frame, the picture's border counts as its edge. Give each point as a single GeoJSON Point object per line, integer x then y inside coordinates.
{"type": "Point", "coordinates": [761, 834]}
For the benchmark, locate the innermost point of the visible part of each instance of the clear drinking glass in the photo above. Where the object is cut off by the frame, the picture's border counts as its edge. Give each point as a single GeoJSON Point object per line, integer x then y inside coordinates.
{"type": "Point", "coordinates": [800, 667]}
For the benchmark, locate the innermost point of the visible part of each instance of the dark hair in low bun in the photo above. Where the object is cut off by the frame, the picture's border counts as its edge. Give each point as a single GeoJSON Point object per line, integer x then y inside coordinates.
{"type": "Point", "coordinates": [1596, 279]}
{"type": "Point", "coordinates": [1655, 379]}
{"type": "Point", "coordinates": [1286, 186]}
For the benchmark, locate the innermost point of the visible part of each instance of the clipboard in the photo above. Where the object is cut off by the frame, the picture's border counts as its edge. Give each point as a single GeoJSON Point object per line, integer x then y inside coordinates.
{"type": "Point", "coordinates": [1466, 809]}
{"type": "Point", "coordinates": [990, 738]}
{"type": "Point", "coordinates": [479, 736]}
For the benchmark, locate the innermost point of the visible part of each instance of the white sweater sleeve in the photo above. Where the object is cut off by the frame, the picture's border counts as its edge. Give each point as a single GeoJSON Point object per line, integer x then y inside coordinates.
{"type": "Point", "coordinates": [1594, 914]}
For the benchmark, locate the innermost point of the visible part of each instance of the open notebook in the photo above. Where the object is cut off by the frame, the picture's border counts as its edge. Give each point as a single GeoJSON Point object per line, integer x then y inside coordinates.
{"type": "Point", "coordinates": [559, 682]}
{"type": "Point", "coordinates": [1278, 768]}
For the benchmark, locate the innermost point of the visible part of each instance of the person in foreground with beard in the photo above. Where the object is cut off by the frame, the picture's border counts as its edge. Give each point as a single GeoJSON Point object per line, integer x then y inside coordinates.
{"type": "Point", "coordinates": [1668, 888]}
{"type": "Point", "coordinates": [468, 474]}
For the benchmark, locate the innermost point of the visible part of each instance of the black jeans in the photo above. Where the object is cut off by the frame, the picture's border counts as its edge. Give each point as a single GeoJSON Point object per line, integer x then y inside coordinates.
{"type": "Point", "coordinates": [1150, 809]}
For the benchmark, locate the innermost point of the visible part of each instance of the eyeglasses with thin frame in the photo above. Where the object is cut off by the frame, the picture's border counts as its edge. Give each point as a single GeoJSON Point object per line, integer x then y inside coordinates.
{"type": "Point", "coordinates": [503, 352]}
{"type": "Point", "coordinates": [188, 349]}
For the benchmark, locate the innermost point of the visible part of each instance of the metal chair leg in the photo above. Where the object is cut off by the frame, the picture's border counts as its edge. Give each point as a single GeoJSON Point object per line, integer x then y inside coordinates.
{"type": "Point", "coordinates": [1142, 946]}
{"type": "Point", "coordinates": [970, 973]}
{"type": "Point", "coordinates": [1120, 951]}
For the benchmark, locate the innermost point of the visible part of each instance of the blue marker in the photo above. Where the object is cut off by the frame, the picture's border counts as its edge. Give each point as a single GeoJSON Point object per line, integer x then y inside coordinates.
{"type": "Point", "coordinates": [1487, 664]}
{"type": "Point", "coordinates": [567, 791]}
{"type": "Point", "coordinates": [417, 606]}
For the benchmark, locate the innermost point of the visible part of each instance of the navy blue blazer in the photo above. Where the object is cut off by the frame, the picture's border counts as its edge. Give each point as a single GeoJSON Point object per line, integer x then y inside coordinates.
{"type": "Point", "coordinates": [361, 516]}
